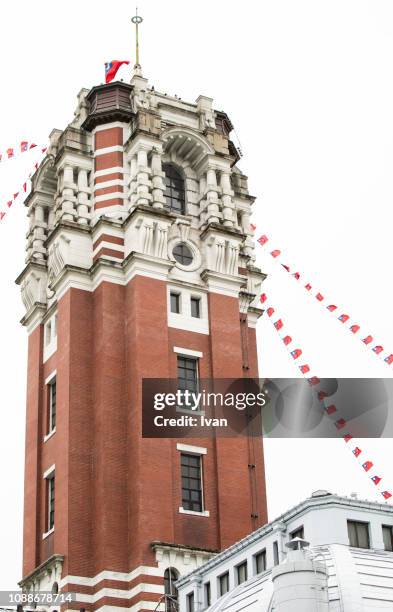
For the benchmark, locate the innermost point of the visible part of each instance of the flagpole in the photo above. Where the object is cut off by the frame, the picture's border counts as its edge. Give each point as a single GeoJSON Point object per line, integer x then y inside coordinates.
{"type": "Point", "coordinates": [137, 19]}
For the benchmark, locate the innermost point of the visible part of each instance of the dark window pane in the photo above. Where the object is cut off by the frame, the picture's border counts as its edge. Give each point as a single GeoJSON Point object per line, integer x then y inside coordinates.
{"type": "Point", "coordinates": [187, 374]}
{"type": "Point", "coordinates": [175, 302]}
{"type": "Point", "coordinates": [174, 190]}
{"type": "Point", "coordinates": [358, 534]}
{"type": "Point", "coordinates": [191, 487]}
{"type": "Point", "coordinates": [241, 572]}
{"type": "Point", "coordinates": [276, 559]}
{"type": "Point", "coordinates": [260, 562]}
{"type": "Point", "coordinates": [208, 597]}
{"type": "Point", "coordinates": [387, 533]}
{"type": "Point", "coordinates": [298, 533]}
{"type": "Point", "coordinates": [190, 602]}
{"type": "Point", "coordinates": [195, 307]}
{"type": "Point", "coordinates": [182, 254]}
{"type": "Point", "coordinates": [51, 502]}
{"type": "Point", "coordinates": [52, 405]}
{"type": "Point", "coordinates": [224, 583]}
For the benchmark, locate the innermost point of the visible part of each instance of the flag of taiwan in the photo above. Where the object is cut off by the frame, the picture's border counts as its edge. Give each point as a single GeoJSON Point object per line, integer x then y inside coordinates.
{"type": "Point", "coordinates": [376, 479]}
{"type": "Point", "coordinates": [367, 340]}
{"type": "Point", "coordinates": [367, 465]}
{"type": "Point", "coordinates": [331, 307]}
{"type": "Point", "coordinates": [270, 311]}
{"type": "Point", "coordinates": [296, 353]}
{"type": "Point", "coordinates": [386, 494]}
{"type": "Point", "coordinates": [278, 324]}
{"type": "Point", "coordinates": [263, 298]}
{"type": "Point", "coordinates": [263, 240]}
{"type": "Point", "coordinates": [275, 253]}
{"type": "Point", "coordinates": [287, 340]}
{"type": "Point", "coordinates": [343, 318]}
{"type": "Point", "coordinates": [356, 451]}
{"type": "Point", "coordinates": [389, 359]}
{"type": "Point", "coordinates": [111, 69]}
{"type": "Point", "coordinates": [354, 328]}
{"type": "Point", "coordinates": [23, 146]}
{"type": "Point", "coordinates": [378, 349]}
{"type": "Point", "coordinates": [304, 368]}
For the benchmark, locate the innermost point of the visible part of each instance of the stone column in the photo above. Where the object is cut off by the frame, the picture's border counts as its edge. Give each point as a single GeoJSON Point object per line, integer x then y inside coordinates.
{"type": "Point", "coordinates": [157, 180]}
{"type": "Point", "coordinates": [83, 197]}
{"type": "Point", "coordinates": [213, 212]}
{"type": "Point", "coordinates": [67, 194]}
{"type": "Point", "coordinates": [38, 250]}
{"type": "Point", "coordinates": [144, 196]}
{"type": "Point", "coordinates": [132, 184]}
{"type": "Point", "coordinates": [227, 202]}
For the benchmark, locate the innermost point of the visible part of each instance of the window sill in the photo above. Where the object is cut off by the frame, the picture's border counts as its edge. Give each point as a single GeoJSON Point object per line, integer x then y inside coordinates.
{"type": "Point", "coordinates": [203, 513]}
{"type": "Point", "coordinates": [50, 434]}
{"type": "Point", "coordinates": [48, 533]}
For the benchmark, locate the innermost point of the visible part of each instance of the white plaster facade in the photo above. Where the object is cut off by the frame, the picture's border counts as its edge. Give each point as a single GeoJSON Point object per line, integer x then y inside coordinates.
{"type": "Point", "coordinates": [330, 576]}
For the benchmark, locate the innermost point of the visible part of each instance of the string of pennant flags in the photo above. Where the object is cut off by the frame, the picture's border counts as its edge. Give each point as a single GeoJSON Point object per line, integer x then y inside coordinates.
{"type": "Point", "coordinates": [23, 190]}
{"type": "Point", "coordinates": [331, 410]}
{"type": "Point", "coordinates": [343, 317]}
{"type": "Point", "coordinates": [22, 147]}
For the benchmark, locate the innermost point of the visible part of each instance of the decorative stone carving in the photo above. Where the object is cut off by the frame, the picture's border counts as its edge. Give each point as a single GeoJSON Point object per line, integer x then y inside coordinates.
{"type": "Point", "coordinates": [33, 288]}
{"type": "Point", "coordinates": [151, 237]}
{"type": "Point", "coordinates": [222, 255]}
{"type": "Point", "coordinates": [57, 256]}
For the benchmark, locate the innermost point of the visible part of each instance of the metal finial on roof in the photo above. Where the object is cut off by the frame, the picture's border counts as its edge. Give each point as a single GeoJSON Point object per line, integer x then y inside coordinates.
{"type": "Point", "coordinates": [137, 19]}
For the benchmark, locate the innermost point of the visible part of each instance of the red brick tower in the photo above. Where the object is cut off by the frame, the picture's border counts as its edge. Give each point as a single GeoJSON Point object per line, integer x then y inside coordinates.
{"type": "Point", "coordinates": [140, 263]}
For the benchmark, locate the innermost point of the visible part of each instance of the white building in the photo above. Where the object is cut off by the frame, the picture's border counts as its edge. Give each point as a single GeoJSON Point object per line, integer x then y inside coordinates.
{"type": "Point", "coordinates": [348, 566]}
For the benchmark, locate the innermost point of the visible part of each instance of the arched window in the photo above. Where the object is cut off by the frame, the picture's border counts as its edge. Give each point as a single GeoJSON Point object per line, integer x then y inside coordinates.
{"type": "Point", "coordinates": [174, 190]}
{"type": "Point", "coordinates": [170, 577]}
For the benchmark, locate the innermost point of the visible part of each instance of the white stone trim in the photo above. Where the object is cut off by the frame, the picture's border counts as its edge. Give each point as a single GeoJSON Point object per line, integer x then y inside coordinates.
{"type": "Point", "coordinates": [110, 196]}
{"type": "Point", "coordinates": [109, 245]}
{"type": "Point", "coordinates": [188, 448]}
{"type": "Point", "coordinates": [105, 150]}
{"type": "Point", "coordinates": [51, 376]}
{"type": "Point", "coordinates": [111, 183]}
{"type": "Point", "coordinates": [121, 593]}
{"type": "Point", "coordinates": [187, 352]}
{"type": "Point", "coordinates": [50, 434]}
{"type": "Point", "coordinates": [106, 171]}
{"type": "Point", "coordinates": [108, 126]}
{"type": "Point", "coordinates": [48, 533]}
{"type": "Point", "coordinates": [203, 513]}
{"type": "Point", "coordinates": [49, 471]}
{"type": "Point", "coordinates": [108, 575]}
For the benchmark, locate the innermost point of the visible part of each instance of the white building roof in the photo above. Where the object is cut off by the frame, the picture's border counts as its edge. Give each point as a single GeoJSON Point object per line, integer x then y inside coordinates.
{"type": "Point", "coordinates": [356, 579]}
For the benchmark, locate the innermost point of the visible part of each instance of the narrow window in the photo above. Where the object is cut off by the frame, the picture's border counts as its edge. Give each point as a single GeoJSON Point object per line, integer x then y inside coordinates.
{"type": "Point", "coordinates": [260, 562]}
{"type": "Point", "coordinates": [190, 602]}
{"type": "Point", "coordinates": [191, 476]}
{"type": "Point", "coordinates": [48, 335]}
{"type": "Point", "coordinates": [241, 572]}
{"type": "Point", "coordinates": [50, 492]}
{"type": "Point", "coordinates": [51, 405]}
{"type": "Point", "coordinates": [175, 302]}
{"type": "Point", "coordinates": [208, 595]}
{"type": "Point", "coordinates": [187, 373]}
{"type": "Point", "coordinates": [358, 534]}
{"type": "Point", "coordinates": [174, 190]}
{"type": "Point", "coordinates": [298, 533]}
{"type": "Point", "coordinates": [387, 532]}
{"type": "Point", "coordinates": [276, 559]}
{"type": "Point", "coordinates": [170, 577]}
{"type": "Point", "coordinates": [223, 583]}
{"type": "Point", "coordinates": [196, 307]}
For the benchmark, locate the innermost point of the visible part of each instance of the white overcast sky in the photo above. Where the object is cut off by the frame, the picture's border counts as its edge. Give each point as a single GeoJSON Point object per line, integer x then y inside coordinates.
{"type": "Point", "coordinates": [309, 87]}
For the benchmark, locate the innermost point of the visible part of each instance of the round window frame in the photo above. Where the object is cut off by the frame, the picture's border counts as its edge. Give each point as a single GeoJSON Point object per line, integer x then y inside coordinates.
{"type": "Point", "coordinates": [197, 259]}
